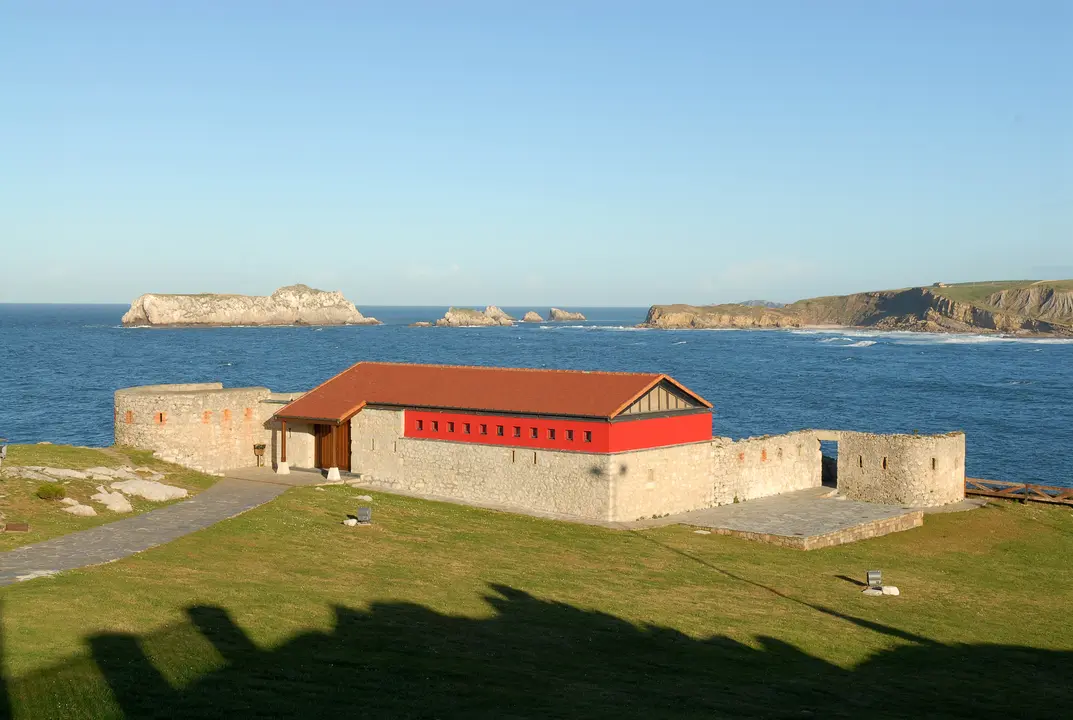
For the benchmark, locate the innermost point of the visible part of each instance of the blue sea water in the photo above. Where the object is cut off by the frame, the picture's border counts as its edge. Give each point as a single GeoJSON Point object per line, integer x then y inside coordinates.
{"type": "Point", "coordinates": [60, 364]}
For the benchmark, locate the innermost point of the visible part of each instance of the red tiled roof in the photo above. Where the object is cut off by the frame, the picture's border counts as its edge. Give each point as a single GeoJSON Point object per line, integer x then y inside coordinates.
{"type": "Point", "coordinates": [488, 389]}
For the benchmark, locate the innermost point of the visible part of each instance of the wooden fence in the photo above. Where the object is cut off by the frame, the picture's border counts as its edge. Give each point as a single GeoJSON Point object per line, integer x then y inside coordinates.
{"type": "Point", "coordinates": [1019, 491]}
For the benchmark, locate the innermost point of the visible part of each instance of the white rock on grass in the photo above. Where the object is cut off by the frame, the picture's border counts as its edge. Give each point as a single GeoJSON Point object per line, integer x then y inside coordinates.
{"type": "Point", "coordinates": [350, 522]}
{"type": "Point", "coordinates": [69, 501]}
{"type": "Point", "coordinates": [66, 474]}
{"type": "Point", "coordinates": [80, 510]}
{"type": "Point", "coordinates": [114, 501]}
{"type": "Point", "coordinates": [366, 498]}
{"type": "Point", "coordinates": [891, 590]}
{"type": "Point", "coordinates": [150, 490]}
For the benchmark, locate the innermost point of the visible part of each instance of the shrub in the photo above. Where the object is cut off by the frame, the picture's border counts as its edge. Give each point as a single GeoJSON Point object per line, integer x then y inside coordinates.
{"type": "Point", "coordinates": [51, 491]}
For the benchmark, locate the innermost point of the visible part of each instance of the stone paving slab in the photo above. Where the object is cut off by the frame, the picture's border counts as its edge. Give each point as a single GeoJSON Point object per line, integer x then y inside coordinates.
{"type": "Point", "coordinates": [806, 519]}
{"type": "Point", "coordinates": [105, 543]}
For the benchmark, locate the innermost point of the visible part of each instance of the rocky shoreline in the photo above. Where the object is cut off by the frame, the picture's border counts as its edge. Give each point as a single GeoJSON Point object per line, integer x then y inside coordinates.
{"type": "Point", "coordinates": [1031, 311]}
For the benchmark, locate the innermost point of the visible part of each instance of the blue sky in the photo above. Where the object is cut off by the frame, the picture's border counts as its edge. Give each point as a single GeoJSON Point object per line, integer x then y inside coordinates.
{"type": "Point", "coordinates": [572, 153]}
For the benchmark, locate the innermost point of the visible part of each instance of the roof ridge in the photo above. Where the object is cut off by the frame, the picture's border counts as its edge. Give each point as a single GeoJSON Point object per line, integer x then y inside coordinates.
{"type": "Point", "coordinates": [511, 369]}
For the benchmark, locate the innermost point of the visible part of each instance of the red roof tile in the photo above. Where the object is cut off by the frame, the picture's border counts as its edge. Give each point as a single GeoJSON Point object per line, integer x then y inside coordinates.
{"type": "Point", "coordinates": [488, 389]}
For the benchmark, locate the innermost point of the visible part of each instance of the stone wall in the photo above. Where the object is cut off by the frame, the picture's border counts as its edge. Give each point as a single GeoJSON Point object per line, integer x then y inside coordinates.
{"type": "Point", "coordinates": [550, 481]}
{"type": "Point", "coordinates": [762, 466]}
{"type": "Point", "coordinates": [916, 470]}
{"type": "Point", "coordinates": [200, 425]}
{"type": "Point", "coordinates": [597, 486]}
{"type": "Point", "coordinates": [660, 481]}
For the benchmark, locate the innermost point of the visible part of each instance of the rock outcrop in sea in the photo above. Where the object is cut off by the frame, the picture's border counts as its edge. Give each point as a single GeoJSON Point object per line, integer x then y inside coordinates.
{"type": "Point", "coordinates": [1039, 308]}
{"type": "Point", "coordinates": [557, 315]}
{"type": "Point", "coordinates": [532, 316]}
{"type": "Point", "coordinates": [290, 305]}
{"type": "Point", "coordinates": [468, 317]}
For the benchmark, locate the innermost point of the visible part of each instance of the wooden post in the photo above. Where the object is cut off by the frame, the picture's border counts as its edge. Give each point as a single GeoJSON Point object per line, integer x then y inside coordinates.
{"type": "Point", "coordinates": [283, 441]}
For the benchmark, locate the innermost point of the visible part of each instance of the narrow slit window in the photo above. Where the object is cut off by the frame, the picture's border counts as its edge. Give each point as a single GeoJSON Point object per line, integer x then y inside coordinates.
{"type": "Point", "coordinates": [450, 426]}
{"type": "Point", "coordinates": [420, 424]}
{"type": "Point", "coordinates": [933, 463]}
{"type": "Point", "coordinates": [465, 428]}
{"type": "Point", "coordinates": [860, 461]}
{"type": "Point", "coordinates": [570, 435]}
{"type": "Point", "coordinates": [517, 431]}
{"type": "Point", "coordinates": [499, 430]}
{"type": "Point", "coordinates": [534, 433]}
{"type": "Point", "coordinates": [435, 426]}
{"type": "Point", "coordinates": [534, 458]}
{"type": "Point", "coordinates": [484, 429]}
{"type": "Point", "coordinates": [551, 433]}
{"type": "Point", "coordinates": [884, 463]}
{"type": "Point", "coordinates": [588, 436]}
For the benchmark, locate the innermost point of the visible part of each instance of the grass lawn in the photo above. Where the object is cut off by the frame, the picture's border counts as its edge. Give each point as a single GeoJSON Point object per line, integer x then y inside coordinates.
{"type": "Point", "coordinates": [442, 610]}
{"type": "Point", "coordinates": [978, 292]}
{"type": "Point", "coordinates": [18, 501]}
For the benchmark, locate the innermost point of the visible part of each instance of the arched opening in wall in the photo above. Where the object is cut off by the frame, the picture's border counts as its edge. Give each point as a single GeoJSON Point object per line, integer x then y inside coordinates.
{"type": "Point", "coordinates": [829, 460]}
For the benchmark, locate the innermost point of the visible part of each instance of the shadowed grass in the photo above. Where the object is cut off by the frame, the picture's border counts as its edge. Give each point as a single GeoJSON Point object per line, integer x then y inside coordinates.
{"type": "Point", "coordinates": [440, 610]}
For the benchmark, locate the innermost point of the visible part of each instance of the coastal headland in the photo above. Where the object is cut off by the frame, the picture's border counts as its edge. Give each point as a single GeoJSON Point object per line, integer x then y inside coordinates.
{"type": "Point", "coordinates": [1009, 307]}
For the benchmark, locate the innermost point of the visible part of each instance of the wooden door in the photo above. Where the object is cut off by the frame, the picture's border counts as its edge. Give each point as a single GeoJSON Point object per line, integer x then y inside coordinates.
{"type": "Point", "coordinates": [332, 446]}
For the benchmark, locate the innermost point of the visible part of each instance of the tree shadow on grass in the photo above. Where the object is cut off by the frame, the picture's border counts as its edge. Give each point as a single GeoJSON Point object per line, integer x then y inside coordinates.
{"type": "Point", "coordinates": [536, 658]}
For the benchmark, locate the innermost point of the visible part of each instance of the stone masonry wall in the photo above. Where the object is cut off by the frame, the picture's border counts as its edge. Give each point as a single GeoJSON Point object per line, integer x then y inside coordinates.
{"type": "Point", "coordinates": [916, 470]}
{"type": "Point", "coordinates": [762, 466]}
{"type": "Point", "coordinates": [202, 426]}
{"type": "Point", "coordinates": [660, 481]}
{"type": "Point", "coordinates": [551, 481]}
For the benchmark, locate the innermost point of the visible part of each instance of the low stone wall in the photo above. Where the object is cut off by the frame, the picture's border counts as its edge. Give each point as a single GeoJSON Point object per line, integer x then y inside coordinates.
{"type": "Point", "coordinates": [915, 470]}
{"type": "Point", "coordinates": [199, 425]}
{"type": "Point", "coordinates": [762, 466]}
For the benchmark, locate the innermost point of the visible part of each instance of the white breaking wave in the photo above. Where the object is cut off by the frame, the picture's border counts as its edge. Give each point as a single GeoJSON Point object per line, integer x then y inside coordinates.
{"type": "Point", "coordinates": [861, 343]}
{"type": "Point", "coordinates": [612, 328]}
{"type": "Point", "coordinates": [680, 342]}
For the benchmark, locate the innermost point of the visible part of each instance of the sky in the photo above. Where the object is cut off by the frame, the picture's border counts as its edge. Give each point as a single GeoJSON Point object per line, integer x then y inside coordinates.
{"type": "Point", "coordinates": [611, 153]}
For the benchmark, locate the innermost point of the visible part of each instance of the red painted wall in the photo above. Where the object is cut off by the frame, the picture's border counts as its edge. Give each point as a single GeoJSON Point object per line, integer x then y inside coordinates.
{"type": "Point", "coordinates": [659, 432]}
{"type": "Point", "coordinates": [605, 436]}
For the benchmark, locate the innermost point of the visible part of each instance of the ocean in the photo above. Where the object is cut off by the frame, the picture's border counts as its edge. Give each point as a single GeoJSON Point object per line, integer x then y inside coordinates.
{"type": "Point", "coordinates": [60, 364]}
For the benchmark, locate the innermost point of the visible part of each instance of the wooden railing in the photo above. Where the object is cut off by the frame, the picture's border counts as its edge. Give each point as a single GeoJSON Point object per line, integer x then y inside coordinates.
{"type": "Point", "coordinates": [1019, 491]}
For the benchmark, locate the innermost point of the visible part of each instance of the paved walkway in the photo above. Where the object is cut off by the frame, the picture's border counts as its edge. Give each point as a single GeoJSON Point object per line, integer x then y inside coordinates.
{"type": "Point", "coordinates": [806, 519]}
{"type": "Point", "coordinates": [105, 543]}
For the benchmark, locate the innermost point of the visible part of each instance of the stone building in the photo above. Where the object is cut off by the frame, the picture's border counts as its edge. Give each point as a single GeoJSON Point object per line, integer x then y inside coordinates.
{"type": "Point", "coordinates": [595, 445]}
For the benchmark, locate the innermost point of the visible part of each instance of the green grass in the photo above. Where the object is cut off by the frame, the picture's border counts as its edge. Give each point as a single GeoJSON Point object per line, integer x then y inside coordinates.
{"type": "Point", "coordinates": [19, 501]}
{"type": "Point", "coordinates": [978, 292]}
{"type": "Point", "coordinates": [442, 610]}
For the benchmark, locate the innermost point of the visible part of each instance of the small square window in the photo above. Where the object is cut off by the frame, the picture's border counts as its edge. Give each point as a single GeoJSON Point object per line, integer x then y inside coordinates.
{"type": "Point", "coordinates": [484, 429]}
{"type": "Point", "coordinates": [435, 426]}
{"type": "Point", "coordinates": [465, 428]}
{"type": "Point", "coordinates": [450, 427]}
{"type": "Point", "coordinates": [588, 436]}
{"type": "Point", "coordinates": [551, 433]}
{"type": "Point", "coordinates": [420, 424]}
{"type": "Point", "coordinates": [517, 431]}
{"type": "Point", "coordinates": [570, 435]}
{"type": "Point", "coordinates": [534, 433]}
{"type": "Point", "coordinates": [499, 430]}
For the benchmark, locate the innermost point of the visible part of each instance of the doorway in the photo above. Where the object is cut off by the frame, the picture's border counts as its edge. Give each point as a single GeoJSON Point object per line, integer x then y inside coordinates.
{"type": "Point", "coordinates": [332, 446]}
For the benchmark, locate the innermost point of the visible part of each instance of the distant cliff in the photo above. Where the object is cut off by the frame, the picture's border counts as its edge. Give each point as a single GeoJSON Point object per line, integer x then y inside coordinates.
{"type": "Point", "coordinates": [1042, 307]}
{"type": "Point", "coordinates": [291, 305]}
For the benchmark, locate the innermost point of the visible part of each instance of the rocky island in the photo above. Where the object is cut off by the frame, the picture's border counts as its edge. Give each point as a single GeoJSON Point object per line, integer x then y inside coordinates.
{"type": "Point", "coordinates": [468, 317]}
{"type": "Point", "coordinates": [290, 305]}
{"type": "Point", "coordinates": [532, 316]}
{"type": "Point", "coordinates": [1042, 307]}
{"type": "Point", "coordinates": [557, 315]}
